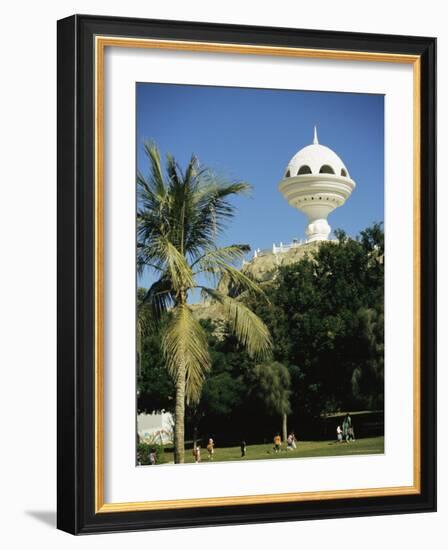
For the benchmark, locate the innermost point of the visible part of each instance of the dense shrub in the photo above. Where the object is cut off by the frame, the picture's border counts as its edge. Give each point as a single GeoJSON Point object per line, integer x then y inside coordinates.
{"type": "Point", "coordinates": [143, 451]}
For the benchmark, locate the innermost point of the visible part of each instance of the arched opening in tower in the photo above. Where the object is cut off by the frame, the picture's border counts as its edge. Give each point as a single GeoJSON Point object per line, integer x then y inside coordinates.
{"type": "Point", "coordinates": [304, 170]}
{"type": "Point", "coordinates": [326, 169]}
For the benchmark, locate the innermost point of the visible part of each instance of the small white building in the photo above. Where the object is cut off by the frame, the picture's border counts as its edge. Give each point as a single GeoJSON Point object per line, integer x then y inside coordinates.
{"type": "Point", "coordinates": [155, 428]}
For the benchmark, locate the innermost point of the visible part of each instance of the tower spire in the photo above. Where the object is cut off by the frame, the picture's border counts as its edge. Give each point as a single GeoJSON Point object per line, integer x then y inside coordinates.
{"type": "Point", "coordinates": [315, 140]}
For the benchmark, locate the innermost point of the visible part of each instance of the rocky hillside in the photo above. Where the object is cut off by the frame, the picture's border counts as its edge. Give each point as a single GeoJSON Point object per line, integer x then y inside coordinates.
{"type": "Point", "coordinates": [261, 268]}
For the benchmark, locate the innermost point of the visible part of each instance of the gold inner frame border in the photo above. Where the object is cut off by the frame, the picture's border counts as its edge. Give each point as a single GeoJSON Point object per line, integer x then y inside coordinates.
{"type": "Point", "coordinates": [100, 44]}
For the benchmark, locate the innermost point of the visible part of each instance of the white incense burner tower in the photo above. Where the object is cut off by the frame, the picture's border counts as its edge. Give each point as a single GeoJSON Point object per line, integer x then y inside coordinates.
{"type": "Point", "coordinates": [316, 182]}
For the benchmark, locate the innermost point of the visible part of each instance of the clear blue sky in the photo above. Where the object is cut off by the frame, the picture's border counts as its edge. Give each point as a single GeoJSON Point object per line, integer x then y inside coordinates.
{"type": "Point", "coordinates": [251, 134]}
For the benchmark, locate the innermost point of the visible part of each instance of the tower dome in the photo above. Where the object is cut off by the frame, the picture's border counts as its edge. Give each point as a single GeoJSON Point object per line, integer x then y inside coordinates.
{"type": "Point", "coordinates": [316, 181]}
{"type": "Point", "coordinates": [316, 159]}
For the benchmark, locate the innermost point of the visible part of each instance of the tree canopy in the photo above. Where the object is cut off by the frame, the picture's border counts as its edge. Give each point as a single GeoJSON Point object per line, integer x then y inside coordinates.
{"type": "Point", "coordinates": [181, 215]}
{"type": "Point", "coordinates": [326, 317]}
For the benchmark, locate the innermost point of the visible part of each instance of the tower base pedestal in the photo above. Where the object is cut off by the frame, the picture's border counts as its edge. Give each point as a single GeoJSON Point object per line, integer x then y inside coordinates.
{"type": "Point", "coordinates": [317, 230]}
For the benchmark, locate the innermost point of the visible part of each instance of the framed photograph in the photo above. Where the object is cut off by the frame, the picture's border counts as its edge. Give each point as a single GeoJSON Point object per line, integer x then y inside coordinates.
{"type": "Point", "coordinates": [246, 274]}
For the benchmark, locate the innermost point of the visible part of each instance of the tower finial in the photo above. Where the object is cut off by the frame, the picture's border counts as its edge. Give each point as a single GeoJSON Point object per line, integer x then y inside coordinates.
{"type": "Point", "coordinates": [315, 140]}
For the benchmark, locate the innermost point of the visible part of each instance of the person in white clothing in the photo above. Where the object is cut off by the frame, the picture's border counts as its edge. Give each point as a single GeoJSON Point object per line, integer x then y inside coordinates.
{"type": "Point", "coordinates": [339, 434]}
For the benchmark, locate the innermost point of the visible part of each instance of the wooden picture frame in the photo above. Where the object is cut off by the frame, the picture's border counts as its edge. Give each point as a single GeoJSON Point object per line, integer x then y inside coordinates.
{"type": "Point", "coordinates": [82, 40]}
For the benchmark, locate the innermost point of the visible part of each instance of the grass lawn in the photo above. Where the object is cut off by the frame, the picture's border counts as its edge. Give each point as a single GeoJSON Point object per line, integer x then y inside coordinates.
{"type": "Point", "coordinates": [371, 445]}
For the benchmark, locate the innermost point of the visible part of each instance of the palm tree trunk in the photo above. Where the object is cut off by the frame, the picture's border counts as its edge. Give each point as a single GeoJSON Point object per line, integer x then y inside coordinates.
{"type": "Point", "coordinates": [179, 418]}
{"type": "Point", "coordinates": [285, 426]}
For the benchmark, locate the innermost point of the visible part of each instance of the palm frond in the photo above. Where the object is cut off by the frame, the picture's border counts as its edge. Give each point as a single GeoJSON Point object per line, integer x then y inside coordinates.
{"type": "Point", "coordinates": [238, 280]}
{"type": "Point", "coordinates": [159, 297]}
{"type": "Point", "coordinates": [189, 209]}
{"type": "Point", "coordinates": [145, 259]}
{"type": "Point", "coordinates": [176, 265]}
{"type": "Point", "coordinates": [157, 180]}
{"type": "Point", "coordinates": [184, 343]}
{"type": "Point", "coordinates": [231, 253]}
{"type": "Point", "coordinates": [244, 324]}
{"type": "Point", "coordinates": [192, 169]}
{"type": "Point", "coordinates": [210, 211]}
{"type": "Point", "coordinates": [243, 294]}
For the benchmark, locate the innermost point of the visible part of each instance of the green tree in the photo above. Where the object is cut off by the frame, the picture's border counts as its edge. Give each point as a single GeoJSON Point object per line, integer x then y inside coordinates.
{"type": "Point", "coordinates": [326, 314]}
{"type": "Point", "coordinates": [155, 387]}
{"type": "Point", "coordinates": [180, 218]}
{"type": "Point", "coordinates": [142, 326]}
{"type": "Point", "coordinates": [271, 384]}
{"type": "Point", "coordinates": [368, 380]}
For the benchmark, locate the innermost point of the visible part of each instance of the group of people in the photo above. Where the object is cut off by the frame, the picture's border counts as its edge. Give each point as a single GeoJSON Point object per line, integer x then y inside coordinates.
{"type": "Point", "coordinates": [291, 442]}
{"type": "Point", "coordinates": [345, 433]}
{"type": "Point", "coordinates": [210, 451]}
{"type": "Point", "coordinates": [152, 458]}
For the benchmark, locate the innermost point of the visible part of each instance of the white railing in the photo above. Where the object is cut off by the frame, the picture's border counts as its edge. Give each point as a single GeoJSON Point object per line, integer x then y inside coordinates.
{"type": "Point", "coordinates": [276, 249]}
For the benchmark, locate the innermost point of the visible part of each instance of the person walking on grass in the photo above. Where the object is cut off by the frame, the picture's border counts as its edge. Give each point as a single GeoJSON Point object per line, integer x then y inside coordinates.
{"type": "Point", "coordinates": [294, 440]}
{"type": "Point", "coordinates": [351, 434]}
{"type": "Point", "coordinates": [197, 454]}
{"type": "Point", "coordinates": [210, 448]}
{"type": "Point", "coordinates": [277, 443]}
{"type": "Point", "coordinates": [346, 425]}
{"type": "Point", "coordinates": [243, 448]}
{"type": "Point", "coordinates": [291, 441]}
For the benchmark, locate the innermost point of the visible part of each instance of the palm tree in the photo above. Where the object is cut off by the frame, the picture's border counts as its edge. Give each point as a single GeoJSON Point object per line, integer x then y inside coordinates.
{"type": "Point", "coordinates": [272, 385]}
{"type": "Point", "coordinates": [180, 217]}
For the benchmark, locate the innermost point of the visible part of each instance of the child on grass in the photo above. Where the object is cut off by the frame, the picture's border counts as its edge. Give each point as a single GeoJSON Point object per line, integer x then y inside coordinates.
{"type": "Point", "coordinates": [210, 448]}
{"type": "Point", "coordinates": [339, 434]}
{"type": "Point", "coordinates": [277, 443]}
{"type": "Point", "coordinates": [197, 454]}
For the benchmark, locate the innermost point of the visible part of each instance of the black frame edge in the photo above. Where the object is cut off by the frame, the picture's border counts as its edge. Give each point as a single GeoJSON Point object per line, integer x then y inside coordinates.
{"type": "Point", "coordinates": [428, 327]}
{"type": "Point", "coordinates": [67, 94]}
{"type": "Point", "coordinates": [76, 276]}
